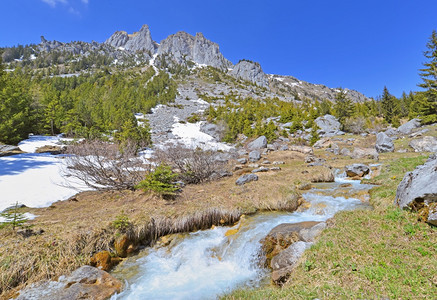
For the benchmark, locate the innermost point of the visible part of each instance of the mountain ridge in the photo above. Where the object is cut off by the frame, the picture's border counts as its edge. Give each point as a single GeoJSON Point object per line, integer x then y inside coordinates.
{"type": "Point", "coordinates": [177, 51]}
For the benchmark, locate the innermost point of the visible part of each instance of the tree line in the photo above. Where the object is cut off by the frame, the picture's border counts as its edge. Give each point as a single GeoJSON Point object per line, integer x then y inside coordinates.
{"type": "Point", "coordinates": [99, 105]}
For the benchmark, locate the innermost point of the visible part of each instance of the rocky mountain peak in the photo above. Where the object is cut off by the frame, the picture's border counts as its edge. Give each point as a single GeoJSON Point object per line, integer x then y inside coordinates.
{"type": "Point", "coordinates": [137, 41]}
{"type": "Point", "coordinates": [118, 39]}
{"type": "Point", "coordinates": [250, 71]}
{"type": "Point", "coordinates": [183, 46]}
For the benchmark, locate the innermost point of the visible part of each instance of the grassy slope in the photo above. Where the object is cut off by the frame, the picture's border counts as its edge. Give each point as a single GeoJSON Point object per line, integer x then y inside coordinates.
{"type": "Point", "coordinates": [367, 254]}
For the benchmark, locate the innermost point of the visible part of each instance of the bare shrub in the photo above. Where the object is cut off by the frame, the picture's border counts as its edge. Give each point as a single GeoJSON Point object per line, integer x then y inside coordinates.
{"type": "Point", "coordinates": [355, 125]}
{"type": "Point", "coordinates": [101, 165]}
{"type": "Point", "coordinates": [193, 165]}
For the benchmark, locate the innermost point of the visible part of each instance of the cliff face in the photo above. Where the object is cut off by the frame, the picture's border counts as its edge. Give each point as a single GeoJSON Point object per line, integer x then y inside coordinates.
{"type": "Point", "coordinates": [250, 71]}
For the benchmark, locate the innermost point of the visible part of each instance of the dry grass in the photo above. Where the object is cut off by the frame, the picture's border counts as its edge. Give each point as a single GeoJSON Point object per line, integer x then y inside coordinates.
{"type": "Point", "coordinates": [77, 228]}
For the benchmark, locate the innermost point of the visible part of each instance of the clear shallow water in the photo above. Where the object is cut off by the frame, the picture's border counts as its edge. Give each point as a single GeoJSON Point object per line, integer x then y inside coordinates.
{"type": "Point", "coordinates": [206, 264]}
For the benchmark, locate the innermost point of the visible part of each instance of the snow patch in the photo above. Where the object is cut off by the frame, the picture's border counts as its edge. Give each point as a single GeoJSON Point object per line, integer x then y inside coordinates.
{"type": "Point", "coordinates": [191, 136]}
{"type": "Point", "coordinates": [35, 180]}
{"type": "Point", "coordinates": [36, 141]}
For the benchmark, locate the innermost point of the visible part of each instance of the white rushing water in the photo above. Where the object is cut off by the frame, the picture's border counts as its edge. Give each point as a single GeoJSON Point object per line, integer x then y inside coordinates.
{"type": "Point", "coordinates": [207, 264]}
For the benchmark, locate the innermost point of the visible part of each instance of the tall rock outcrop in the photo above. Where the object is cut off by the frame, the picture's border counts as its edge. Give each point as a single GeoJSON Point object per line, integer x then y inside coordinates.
{"type": "Point", "coordinates": [182, 47]}
{"type": "Point", "coordinates": [208, 53]}
{"type": "Point", "coordinates": [118, 39]}
{"type": "Point", "coordinates": [250, 71]}
{"type": "Point", "coordinates": [138, 41]}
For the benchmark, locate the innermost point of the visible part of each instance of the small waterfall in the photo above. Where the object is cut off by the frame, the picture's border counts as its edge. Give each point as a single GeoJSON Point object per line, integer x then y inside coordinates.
{"type": "Point", "coordinates": [208, 263]}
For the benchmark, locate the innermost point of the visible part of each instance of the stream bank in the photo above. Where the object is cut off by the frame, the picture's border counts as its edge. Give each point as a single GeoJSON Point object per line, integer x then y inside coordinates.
{"type": "Point", "coordinates": [209, 263]}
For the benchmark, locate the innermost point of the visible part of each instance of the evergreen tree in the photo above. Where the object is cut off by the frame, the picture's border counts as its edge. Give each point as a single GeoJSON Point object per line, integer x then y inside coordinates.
{"type": "Point", "coordinates": [13, 217]}
{"type": "Point", "coordinates": [343, 107]}
{"type": "Point", "coordinates": [15, 123]}
{"type": "Point", "coordinates": [427, 106]}
{"type": "Point", "coordinates": [389, 106]}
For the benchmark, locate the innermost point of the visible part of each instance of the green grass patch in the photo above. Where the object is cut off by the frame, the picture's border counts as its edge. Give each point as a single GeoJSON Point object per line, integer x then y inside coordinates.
{"type": "Point", "coordinates": [367, 254]}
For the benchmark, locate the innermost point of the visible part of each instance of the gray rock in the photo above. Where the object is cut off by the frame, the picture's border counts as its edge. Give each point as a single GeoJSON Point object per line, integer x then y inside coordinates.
{"type": "Point", "coordinates": [254, 156]}
{"type": "Point", "coordinates": [345, 152]}
{"type": "Point", "coordinates": [259, 143]}
{"type": "Point", "coordinates": [275, 169]}
{"type": "Point", "coordinates": [262, 169]}
{"type": "Point", "coordinates": [328, 124]}
{"type": "Point", "coordinates": [408, 127]}
{"type": "Point", "coordinates": [212, 130]}
{"type": "Point", "coordinates": [6, 150]}
{"type": "Point", "coordinates": [309, 234]}
{"type": "Point", "coordinates": [242, 160]}
{"type": "Point", "coordinates": [384, 143]}
{"type": "Point", "coordinates": [432, 215]}
{"type": "Point", "coordinates": [357, 170]}
{"type": "Point", "coordinates": [85, 283]}
{"type": "Point", "coordinates": [243, 179]}
{"type": "Point", "coordinates": [302, 149]}
{"type": "Point", "coordinates": [368, 153]}
{"type": "Point", "coordinates": [391, 132]}
{"type": "Point", "coordinates": [283, 148]}
{"type": "Point", "coordinates": [242, 152]}
{"type": "Point", "coordinates": [254, 166]}
{"type": "Point", "coordinates": [424, 144]}
{"type": "Point", "coordinates": [418, 189]}
{"type": "Point", "coordinates": [250, 71]}
{"type": "Point", "coordinates": [289, 257]}
{"type": "Point", "coordinates": [276, 162]}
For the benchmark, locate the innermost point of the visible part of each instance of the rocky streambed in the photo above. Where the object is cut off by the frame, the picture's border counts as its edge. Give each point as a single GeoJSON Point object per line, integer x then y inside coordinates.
{"type": "Point", "coordinates": [259, 249]}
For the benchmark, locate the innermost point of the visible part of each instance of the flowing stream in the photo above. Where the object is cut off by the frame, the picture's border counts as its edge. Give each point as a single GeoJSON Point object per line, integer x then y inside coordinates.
{"type": "Point", "coordinates": [206, 264]}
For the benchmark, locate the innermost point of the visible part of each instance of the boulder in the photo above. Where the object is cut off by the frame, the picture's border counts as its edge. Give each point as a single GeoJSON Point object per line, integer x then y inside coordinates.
{"type": "Point", "coordinates": [384, 143]}
{"type": "Point", "coordinates": [84, 283]}
{"type": "Point", "coordinates": [254, 156]}
{"type": "Point", "coordinates": [262, 169]}
{"type": "Point", "coordinates": [257, 144]}
{"type": "Point", "coordinates": [282, 236]}
{"type": "Point", "coordinates": [284, 263]}
{"type": "Point", "coordinates": [357, 170]}
{"type": "Point", "coordinates": [212, 130]}
{"type": "Point", "coordinates": [52, 149]}
{"type": "Point", "coordinates": [124, 246]}
{"type": "Point", "coordinates": [328, 124]}
{"type": "Point", "coordinates": [391, 132]}
{"type": "Point", "coordinates": [289, 256]}
{"type": "Point", "coordinates": [302, 149]}
{"type": "Point", "coordinates": [408, 127]}
{"type": "Point", "coordinates": [6, 150]}
{"type": "Point", "coordinates": [242, 160]}
{"type": "Point", "coordinates": [367, 153]}
{"type": "Point", "coordinates": [246, 178]}
{"type": "Point", "coordinates": [418, 190]}
{"type": "Point", "coordinates": [283, 148]}
{"type": "Point", "coordinates": [285, 244]}
{"type": "Point", "coordinates": [345, 152]}
{"type": "Point", "coordinates": [424, 144]}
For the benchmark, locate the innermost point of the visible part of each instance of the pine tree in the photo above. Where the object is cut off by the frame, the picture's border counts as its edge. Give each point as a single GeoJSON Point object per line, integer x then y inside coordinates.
{"type": "Point", "coordinates": [343, 107]}
{"type": "Point", "coordinates": [15, 122]}
{"type": "Point", "coordinates": [427, 106]}
{"type": "Point", "coordinates": [389, 106]}
{"type": "Point", "coordinates": [13, 217]}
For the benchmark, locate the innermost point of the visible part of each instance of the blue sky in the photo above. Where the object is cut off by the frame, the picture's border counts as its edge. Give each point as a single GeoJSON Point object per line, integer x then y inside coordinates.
{"type": "Point", "coordinates": [362, 45]}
